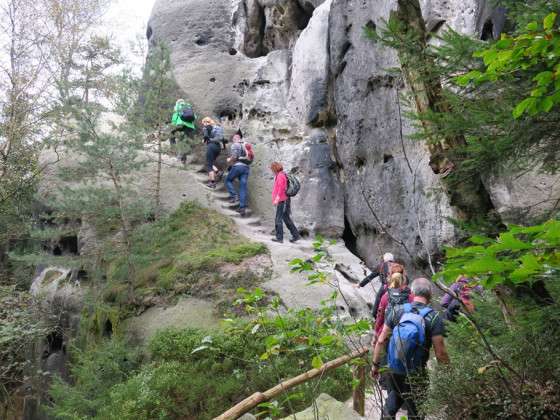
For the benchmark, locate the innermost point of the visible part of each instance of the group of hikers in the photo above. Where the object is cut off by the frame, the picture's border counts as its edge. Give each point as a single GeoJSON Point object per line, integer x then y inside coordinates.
{"type": "Point", "coordinates": [406, 328]}
{"type": "Point", "coordinates": [406, 325]}
{"type": "Point", "coordinates": [240, 157]}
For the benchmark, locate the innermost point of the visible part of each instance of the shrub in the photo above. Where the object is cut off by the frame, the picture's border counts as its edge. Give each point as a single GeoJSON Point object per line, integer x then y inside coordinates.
{"type": "Point", "coordinates": [476, 385]}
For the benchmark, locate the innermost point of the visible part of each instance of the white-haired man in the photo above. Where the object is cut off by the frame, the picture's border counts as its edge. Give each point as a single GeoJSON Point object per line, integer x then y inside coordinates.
{"type": "Point", "coordinates": [409, 359]}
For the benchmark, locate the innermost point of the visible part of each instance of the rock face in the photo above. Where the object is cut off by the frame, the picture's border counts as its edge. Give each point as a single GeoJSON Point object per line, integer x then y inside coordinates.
{"type": "Point", "coordinates": [326, 407]}
{"type": "Point", "coordinates": [310, 90]}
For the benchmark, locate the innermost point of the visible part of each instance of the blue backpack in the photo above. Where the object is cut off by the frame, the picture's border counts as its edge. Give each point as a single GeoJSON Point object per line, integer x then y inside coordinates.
{"type": "Point", "coordinates": [406, 348]}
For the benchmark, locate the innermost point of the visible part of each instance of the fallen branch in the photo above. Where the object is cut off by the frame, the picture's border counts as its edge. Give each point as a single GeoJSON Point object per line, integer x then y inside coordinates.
{"type": "Point", "coordinates": [259, 397]}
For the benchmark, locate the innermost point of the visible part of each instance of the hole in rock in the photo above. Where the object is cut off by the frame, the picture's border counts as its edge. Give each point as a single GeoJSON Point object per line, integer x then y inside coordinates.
{"type": "Point", "coordinates": [359, 162]}
{"type": "Point", "coordinates": [342, 308]}
{"type": "Point", "coordinates": [353, 311]}
{"type": "Point", "coordinates": [55, 342]}
{"type": "Point", "coordinates": [57, 251]}
{"type": "Point", "coordinates": [212, 79]}
{"type": "Point", "coordinates": [349, 238]}
{"type": "Point", "coordinates": [108, 329]}
{"type": "Point", "coordinates": [232, 51]}
{"type": "Point", "coordinates": [387, 158]}
{"type": "Point", "coordinates": [371, 26]}
{"type": "Point", "coordinates": [69, 245]}
{"type": "Point", "coordinates": [149, 32]}
{"type": "Point", "coordinates": [82, 275]}
{"type": "Point", "coordinates": [487, 31]}
{"type": "Point", "coordinates": [303, 16]}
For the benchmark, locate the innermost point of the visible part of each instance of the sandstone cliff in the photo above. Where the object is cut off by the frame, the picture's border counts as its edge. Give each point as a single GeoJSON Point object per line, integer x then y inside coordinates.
{"type": "Point", "coordinates": [309, 89]}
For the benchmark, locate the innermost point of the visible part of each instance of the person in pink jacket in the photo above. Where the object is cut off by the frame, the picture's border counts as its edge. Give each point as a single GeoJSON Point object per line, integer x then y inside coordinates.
{"type": "Point", "coordinates": [282, 203]}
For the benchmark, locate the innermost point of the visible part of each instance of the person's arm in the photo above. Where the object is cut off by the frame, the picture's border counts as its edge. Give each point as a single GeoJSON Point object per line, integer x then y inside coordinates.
{"type": "Point", "coordinates": [368, 278]}
{"type": "Point", "coordinates": [378, 297]}
{"type": "Point", "coordinates": [380, 347]}
{"type": "Point", "coordinates": [439, 349]}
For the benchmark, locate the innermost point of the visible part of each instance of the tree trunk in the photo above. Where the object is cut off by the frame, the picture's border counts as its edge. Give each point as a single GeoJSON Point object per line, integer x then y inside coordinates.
{"type": "Point", "coordinates": [467, 194]}
{"type": "Point", "coordinates": [126, 231]}
{"type": "Point", "coordinates": [158, 174]}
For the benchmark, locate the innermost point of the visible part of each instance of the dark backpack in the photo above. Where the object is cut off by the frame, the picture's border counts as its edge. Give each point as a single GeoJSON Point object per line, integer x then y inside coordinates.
{"type": "Point", "coordinates": [187, 114]}
{"type": "Point", "coordinates": [293, 185]}
{"type": "Point", "coordinates": [398, 296]}
{"type": "Point", "coordinates": [406, 352]}
{"type": "Point", "coordinates": [248, 154]}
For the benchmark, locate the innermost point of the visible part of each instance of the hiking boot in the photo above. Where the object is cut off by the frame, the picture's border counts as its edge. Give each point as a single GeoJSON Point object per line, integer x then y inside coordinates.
{"type": "Point", "coordinates": [280, 241]}
{"type": "Point", "coordinates": [211, 184]}
{"type": "Point", "coordinates": [233, 200]}
{"type": "Point", "coordinates": [294, 240]}
{"type": "Point", "coordinates": [241, 212]}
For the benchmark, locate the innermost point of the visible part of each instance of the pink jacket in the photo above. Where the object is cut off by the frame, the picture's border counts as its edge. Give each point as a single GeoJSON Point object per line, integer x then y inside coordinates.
{"type": "Point", "coordinates": [279, 190]}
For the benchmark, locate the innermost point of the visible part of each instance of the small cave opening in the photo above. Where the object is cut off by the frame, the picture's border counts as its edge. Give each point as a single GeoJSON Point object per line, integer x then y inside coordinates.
{"type": "Point", "coordinates": [232, 51]}
{"type": "Point", "coordinates": [227, 115]}
{"type": "Point", "coordinates": [487, 31]}
{"type": "Point", "coordinates": [359, 162]}
{"type": "Point", "coordinates": [54, 343]}
{"type": "Point", "coordinates": [69, 245]}
{"type": "Point", "coordinates": [107, 329]}
{"type": "Point", "coordinates": [353, 312]}
{"type": "Point", "coordinates": [57, 252]}
{"type": "Point", "coordinates": [82, 275]}
{"type": "Point", "coordinates": [387, 158]}
{"type": "Point", "coordinates": [149, 32]}
{"type": "Point", "coordinates": [350, 240]}
{"type": "Point", "coordinates": [212, 80]}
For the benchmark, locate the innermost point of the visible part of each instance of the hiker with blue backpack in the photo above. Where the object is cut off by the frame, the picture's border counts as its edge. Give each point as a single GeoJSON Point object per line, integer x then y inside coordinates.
{"type": "Point", "coordinates": [241, 156]}
{"type": "Point", "coordinates": [409, 332]}
{"type": "Point", "coordinates": [213, 135]}
{"type": "Point", "coordinates": [285, 187]}
{"type": "Point", "coordinates": [183, 121]}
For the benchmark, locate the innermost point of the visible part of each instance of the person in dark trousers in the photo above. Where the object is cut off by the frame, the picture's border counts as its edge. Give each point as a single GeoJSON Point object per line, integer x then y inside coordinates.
{"type": "Point", "coordinates": [239, 170]}
{"type": "Point", "coordinates": [401, 392]}
{"type": "Point", "coordinates": [187, 128]}
{"type": "Point", "coordinates": [384, 270]}
{"type": "Point", "coordinates": [213, 135]}
{"type": "Point", "coordinates": [282, 202]}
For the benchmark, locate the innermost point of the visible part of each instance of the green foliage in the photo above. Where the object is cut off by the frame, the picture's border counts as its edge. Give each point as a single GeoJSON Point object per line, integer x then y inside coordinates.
{"type": "Point", "coordinates": [180, 254]}
{"type": "Point", "coordinates": [95, 370]}
{"type": "Point", "coordinates": [21, 325]}
{"type": "Point", "coordinates": [519, 255]}
{"type": "Point", "coordinates": [191, 375]}
{"type": "Point", "coordinates": [483, 113]}
{"type": "Point", "coordinates": [534, 54]}
{"type": "Point", "coordinates": [474, 384]}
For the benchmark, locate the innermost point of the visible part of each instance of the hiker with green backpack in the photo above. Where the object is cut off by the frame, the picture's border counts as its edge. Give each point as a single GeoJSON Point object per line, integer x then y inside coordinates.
{"type": "Point", "coordinates": [183, 121]}
{"type": "Point", "coordinates": [285, 187]}
{"type": "Point", "coordinates": [409, 332]}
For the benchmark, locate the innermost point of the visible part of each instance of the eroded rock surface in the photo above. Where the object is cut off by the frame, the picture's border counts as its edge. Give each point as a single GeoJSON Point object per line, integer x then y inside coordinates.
{"type": "Point", "coordinates": [309, 89]}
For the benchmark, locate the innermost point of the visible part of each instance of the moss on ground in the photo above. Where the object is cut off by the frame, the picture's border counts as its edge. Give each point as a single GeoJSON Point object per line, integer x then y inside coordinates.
{"type": "Point", "coordinates": [180, 254]}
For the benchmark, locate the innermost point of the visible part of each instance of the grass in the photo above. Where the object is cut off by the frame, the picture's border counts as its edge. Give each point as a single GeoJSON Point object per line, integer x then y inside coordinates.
{"type": "Point", "coordinates": [180, 254]}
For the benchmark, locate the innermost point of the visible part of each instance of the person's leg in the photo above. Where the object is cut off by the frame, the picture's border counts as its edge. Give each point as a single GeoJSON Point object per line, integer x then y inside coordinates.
{"type": "Point", "coordinates": [211, 156]}
{"type": "Point", "coordinates": [279, 222]}
{"type": "Point", "coordinates": [243, 178]}
{"type": "Point", "coordinates": [288, 220]}
{"type": "Point", "coordinates": [233, 173]}
{"type": "Point", "coordinates": [394, 399]}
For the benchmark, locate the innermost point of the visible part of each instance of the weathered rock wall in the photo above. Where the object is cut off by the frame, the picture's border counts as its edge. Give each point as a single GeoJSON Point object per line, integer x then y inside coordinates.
{"type": "Point", "coordinates": [310, 90]}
